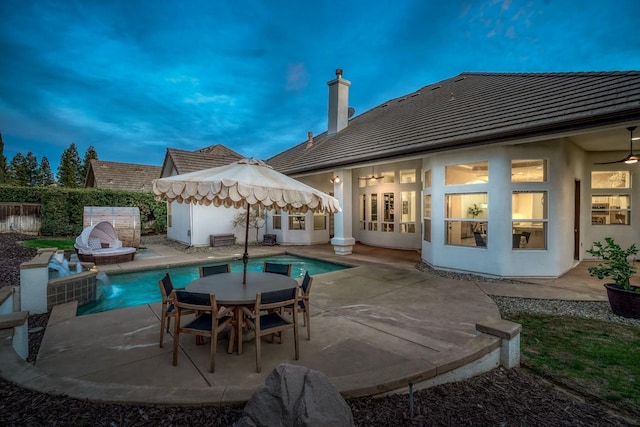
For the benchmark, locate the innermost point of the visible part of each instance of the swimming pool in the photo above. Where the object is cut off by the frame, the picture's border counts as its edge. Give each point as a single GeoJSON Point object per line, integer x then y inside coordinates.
{"type": "Point", "coordinates": [141, 287]}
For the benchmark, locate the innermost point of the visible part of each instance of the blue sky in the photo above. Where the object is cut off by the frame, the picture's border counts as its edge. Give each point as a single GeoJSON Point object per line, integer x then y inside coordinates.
{"type": "Point", "coordinates": [132, 78]}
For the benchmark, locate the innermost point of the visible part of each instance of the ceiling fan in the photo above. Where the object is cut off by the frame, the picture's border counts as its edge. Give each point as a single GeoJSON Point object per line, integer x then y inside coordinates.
{"type": "Point", "coordinates": [631, 158]}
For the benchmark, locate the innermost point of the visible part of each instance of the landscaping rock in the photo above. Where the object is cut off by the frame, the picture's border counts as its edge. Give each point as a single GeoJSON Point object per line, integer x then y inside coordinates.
{"type": "Point", "coordinates": [296, 396]}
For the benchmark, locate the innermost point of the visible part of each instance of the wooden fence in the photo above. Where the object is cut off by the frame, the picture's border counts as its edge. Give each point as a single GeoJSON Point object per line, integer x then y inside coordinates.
{"type": "Point", "coordinates": [20, 218]}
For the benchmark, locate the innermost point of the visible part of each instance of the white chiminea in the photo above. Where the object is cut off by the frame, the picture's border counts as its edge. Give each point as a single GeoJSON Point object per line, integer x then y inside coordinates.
{"type": "Point", "coordinates": [338, 104]}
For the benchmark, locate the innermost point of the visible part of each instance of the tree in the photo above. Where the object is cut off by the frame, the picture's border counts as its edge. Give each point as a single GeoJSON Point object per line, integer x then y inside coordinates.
{"type": "Point", "coordinates": [17, 171]}
{"type": "Point", "coordinates": [45, 176]}
{"type": "Point", "coordinates": [31, 169]}
{"type": "Point", "coordinates": [4, 175]}
{"type": "Point", "coordinates": [256, 219]}
{"type": "Point", "coordinates": [88, 156]}
{"type": "Point", "coordinates": [70, 167]}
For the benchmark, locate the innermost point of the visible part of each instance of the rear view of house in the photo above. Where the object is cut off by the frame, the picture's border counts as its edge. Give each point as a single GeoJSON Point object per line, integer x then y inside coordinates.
{"type": "Point", "coordinates": [502, 174]}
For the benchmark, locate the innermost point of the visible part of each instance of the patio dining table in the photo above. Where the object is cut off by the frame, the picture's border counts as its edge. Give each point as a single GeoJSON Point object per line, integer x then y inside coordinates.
{"type": "Point", "coordinates": [230, 291]}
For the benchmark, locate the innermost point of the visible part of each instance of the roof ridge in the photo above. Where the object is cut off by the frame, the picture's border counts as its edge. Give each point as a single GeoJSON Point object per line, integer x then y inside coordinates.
{"type": "Point", "coordinates": [548, 73]}
{"type": "Point", "coordinates": [123, 163]}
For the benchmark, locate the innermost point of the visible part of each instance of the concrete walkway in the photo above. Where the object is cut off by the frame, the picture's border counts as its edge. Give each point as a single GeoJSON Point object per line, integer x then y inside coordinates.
{"type": "Point", "coordinates": [375, 328]}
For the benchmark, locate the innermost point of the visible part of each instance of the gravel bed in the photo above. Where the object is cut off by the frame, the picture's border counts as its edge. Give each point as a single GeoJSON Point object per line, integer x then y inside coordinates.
{"type": "Point", "coordinates": [597, 310]}
{"type": "Point", "coordinates": [498, 398]}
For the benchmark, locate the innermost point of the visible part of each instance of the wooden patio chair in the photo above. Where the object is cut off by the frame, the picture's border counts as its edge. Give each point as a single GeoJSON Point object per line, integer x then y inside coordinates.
{"type": "Point", "coordinates": [209, 321]}
{"type": "Point", "coordinates": [266, 318]}
{"type": "Point", "coordinates": [479, 239]}
{"type": "Point", "coordinates": [272, 267]}
{"type": "Point", "coordinates": [303, 302]}
{"type": "Point", "coordinates": [208, 270]}
{"type": "Point", "coordinates": [168, 308]}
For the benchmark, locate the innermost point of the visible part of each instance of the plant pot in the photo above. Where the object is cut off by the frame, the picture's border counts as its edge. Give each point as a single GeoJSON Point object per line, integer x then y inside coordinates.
{"type": "Point", "coordinates": [624, 303]}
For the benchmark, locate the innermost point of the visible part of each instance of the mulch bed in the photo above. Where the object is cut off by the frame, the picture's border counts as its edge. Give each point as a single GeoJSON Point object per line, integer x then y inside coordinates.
{"type": "Point", "coordinates": [498, 398]}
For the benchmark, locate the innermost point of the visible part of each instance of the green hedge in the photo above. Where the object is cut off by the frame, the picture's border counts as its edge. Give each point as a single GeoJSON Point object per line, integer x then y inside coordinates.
{"type": "Point", "coordinates": [62, 208]}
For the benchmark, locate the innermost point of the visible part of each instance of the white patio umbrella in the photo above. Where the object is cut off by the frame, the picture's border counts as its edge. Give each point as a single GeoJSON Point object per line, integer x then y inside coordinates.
{"type": "Point", "coordinates": [243, 183]}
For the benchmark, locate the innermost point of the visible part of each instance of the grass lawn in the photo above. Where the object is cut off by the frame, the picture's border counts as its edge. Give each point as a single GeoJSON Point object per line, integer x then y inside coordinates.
{"type": "Point", "coordinates": [591, 357]}
{"type": "Point", "coordinates": [61, 244]}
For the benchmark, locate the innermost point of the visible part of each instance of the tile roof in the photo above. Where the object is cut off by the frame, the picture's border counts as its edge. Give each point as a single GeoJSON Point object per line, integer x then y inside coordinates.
{"type": "Point", "coordinates": [205, 158]}
{"type": "Point", "coordinates": [121, 176]}
{"type": "Point", "coordinates": [472, 109]}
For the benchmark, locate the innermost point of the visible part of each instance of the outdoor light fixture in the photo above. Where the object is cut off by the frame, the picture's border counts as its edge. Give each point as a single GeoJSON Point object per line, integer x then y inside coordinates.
{"type": "Point", "coordinates": [335, 180]}
{"type": "Point", "coordinates": [631, 158]}
{"type": "Point", "coordinates": [371, 178]}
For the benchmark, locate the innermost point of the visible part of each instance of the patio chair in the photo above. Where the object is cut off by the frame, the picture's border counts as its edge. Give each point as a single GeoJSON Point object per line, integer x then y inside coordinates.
{"type": "Point", "coordinates": [515, 240]}
{"type": "Point", "coordinates": [168, 309]}
{"type": "Point", "coordinates": [272, 267]}
{"type": "Point", "coordinates": [208, 270]}
{"type": "Point", "coordinates": [479, 239]}
{"type": "Point", "coordinates": [266, 318]}
{"type": "Point", "coordinates": [209, 321]}
{"type": "Point", "coordinates": [303, 302]}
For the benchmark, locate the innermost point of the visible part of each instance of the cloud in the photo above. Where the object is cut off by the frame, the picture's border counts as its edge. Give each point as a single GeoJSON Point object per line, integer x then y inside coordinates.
{"type": "Point", "coordinates": [199, 98]}
{"type": "Point", "coordinates": [296, 77]}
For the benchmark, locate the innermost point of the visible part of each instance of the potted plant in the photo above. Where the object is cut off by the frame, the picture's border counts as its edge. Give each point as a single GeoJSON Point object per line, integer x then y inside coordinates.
{"type": "Point", "coordinates": [624, 298]}
{"type": "Point", "coordinates": [474, 211]}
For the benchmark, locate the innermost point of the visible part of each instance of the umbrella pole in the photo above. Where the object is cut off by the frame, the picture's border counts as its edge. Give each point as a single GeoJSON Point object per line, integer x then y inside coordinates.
{"type": "Point", "coordinates": [245, 256]}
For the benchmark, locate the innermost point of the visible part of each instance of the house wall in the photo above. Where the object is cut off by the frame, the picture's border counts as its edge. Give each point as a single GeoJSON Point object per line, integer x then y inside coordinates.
{"type": "Point", "coordinates": [564, 162]}
{"type": "Point", "coordinates": [180, 227]}
{"type": "Point", "coordinates": [208, 220]}
{"type": "Point", "coordinates": [624, 235]}
{"type": "Point", "coordinates": [308, 236]}
{"type": "Point", "coordinates": [193, 224]}
{"type": "Point", "coordinates": [378, 237]}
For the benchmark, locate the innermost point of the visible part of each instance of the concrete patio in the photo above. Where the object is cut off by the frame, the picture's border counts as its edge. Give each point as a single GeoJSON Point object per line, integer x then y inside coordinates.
{"type": "Point", "coordinates": [375, 328]}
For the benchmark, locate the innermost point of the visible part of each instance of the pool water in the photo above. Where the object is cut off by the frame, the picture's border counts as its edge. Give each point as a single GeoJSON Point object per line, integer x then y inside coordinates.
{"type": "Point", "coordinates": [141, 287]}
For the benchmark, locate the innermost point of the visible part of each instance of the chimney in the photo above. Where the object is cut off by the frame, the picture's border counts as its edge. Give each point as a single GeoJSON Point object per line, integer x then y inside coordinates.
{"type": "Point", "coordinates": [309, 140]}
{"type": "Point", "coordinates": [338, 104]}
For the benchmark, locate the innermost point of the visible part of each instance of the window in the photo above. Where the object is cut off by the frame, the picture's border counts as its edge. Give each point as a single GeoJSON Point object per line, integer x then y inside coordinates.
{"type": "Point", "coordinates": [529, 219]}
{"type": "Point", "coordinates": [407, 176]}
{"type": "Point", "coordinates": [388, 218]}
{"type": "Point", "coordinates": [319, 221]}
{"type": "Point", "coordinates": [611, 179]}
{"type": "Point", "coordinates": [529, 170]}
{"type": "Point", "coordinates": [363, 212]}
{"type": "Point", "coordinates": [277, 219]}
{"type": "Point", "coordinates": [427, 179]}
{"type": "Point", "coordinates": [469, 173]}
{"type": "Point", "coordinates": [373, 213]}
{"type": "Point", "coordinates": [408, 215]}
{"type": "Point", "coordinates": [169, 214]}
{"type": "Point", "coordinates": [388, 178]}
{"type": "Point", "coordinates": [611, 209]}
{"type": "Point", "coordinates": [296, 221]}
{"type": "Point", "coordinates": [427, 218]}
{"type": "Point", "coordinates": [427, 206]}
{"type": "Point", "coordinates": [466, 219]}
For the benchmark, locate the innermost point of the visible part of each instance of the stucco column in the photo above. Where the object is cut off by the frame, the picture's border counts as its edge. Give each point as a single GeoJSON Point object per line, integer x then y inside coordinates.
{"type": "Point", "coordinates": [343, 240]}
